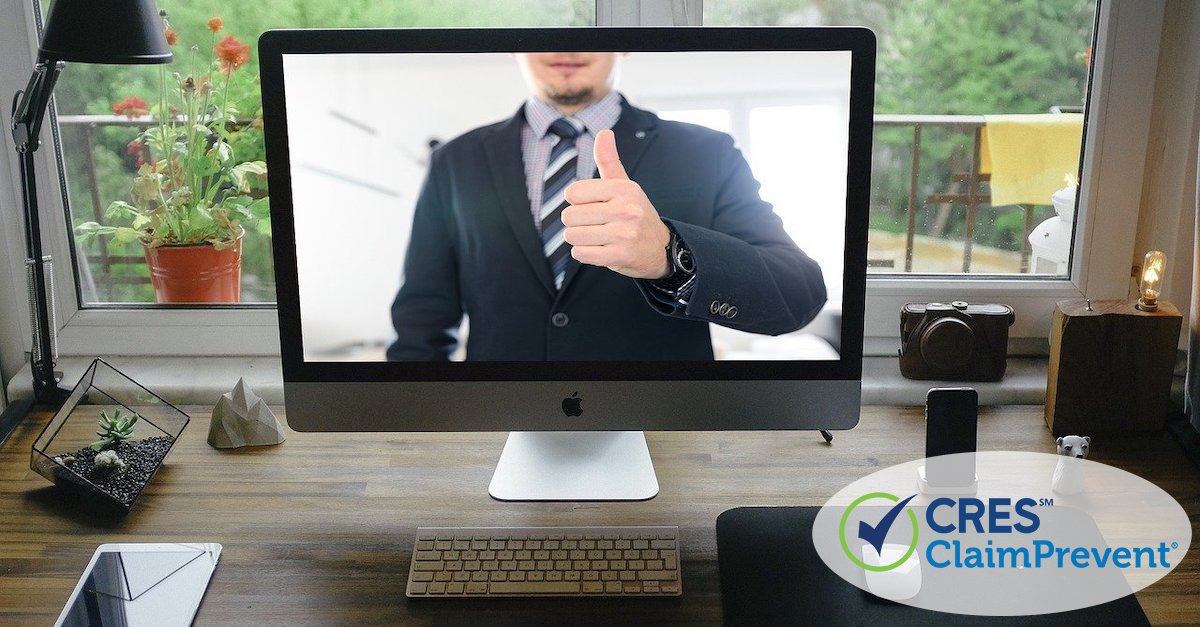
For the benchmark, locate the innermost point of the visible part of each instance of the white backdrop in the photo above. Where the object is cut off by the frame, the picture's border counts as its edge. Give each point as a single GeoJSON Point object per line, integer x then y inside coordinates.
{"type": "Point", "coordinates": [359, 127]}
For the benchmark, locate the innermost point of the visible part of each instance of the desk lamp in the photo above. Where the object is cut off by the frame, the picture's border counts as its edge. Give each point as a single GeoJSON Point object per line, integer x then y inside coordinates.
{"type": "Point", "coordinates": [1111, 361]}
{"type": "Point", "coordinates": [87, 31]}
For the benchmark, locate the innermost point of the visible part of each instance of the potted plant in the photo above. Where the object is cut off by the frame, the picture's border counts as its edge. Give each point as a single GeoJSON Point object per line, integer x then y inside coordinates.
{"type": "Point", "coordinates": [192, 196]}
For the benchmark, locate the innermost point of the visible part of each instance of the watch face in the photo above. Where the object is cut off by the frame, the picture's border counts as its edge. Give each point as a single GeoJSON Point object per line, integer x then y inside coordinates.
{"type": "Point", "coordinates": [683, 259]}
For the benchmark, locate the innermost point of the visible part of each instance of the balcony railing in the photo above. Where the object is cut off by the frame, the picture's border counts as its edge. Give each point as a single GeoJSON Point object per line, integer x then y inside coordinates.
{"type": "Point", "coordinates": [88, 125]}
{"type": "Point", "coordinates": [965, 185]}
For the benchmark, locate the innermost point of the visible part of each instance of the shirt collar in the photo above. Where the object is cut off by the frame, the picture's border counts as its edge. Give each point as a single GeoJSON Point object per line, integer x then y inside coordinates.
{"type": "Point", "coordinates": [596, 117]}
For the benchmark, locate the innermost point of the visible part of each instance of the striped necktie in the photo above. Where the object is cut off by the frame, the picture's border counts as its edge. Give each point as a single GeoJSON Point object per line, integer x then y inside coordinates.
{"type": "Point", "coordinates": [560, 172]}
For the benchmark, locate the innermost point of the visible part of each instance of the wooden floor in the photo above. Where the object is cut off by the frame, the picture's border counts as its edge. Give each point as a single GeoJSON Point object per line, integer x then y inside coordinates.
{"type": "Point", "coordinates": [319, 530]}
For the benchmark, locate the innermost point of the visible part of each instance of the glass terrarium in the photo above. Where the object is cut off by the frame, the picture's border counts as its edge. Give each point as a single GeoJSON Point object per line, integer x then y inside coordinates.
{"type": "Point", "coordinates": [109, 438]}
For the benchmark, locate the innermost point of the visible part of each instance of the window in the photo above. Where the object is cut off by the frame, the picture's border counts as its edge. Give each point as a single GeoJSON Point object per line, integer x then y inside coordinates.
{"type": "Point", "coordinates": [1124, 71]}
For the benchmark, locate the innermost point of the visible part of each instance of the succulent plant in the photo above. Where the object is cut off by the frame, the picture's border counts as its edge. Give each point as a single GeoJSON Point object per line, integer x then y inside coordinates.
{"type": "Point", "coordinates": [114, 428]}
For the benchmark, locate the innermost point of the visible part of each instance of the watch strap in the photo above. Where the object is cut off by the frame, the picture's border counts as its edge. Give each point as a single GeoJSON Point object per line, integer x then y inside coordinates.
{"type": "Point", "coordinates": [679, 282]}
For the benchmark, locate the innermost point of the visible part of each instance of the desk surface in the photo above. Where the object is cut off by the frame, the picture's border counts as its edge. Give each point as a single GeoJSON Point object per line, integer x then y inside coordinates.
{"type": "Point", "coordinates": [319, 530]}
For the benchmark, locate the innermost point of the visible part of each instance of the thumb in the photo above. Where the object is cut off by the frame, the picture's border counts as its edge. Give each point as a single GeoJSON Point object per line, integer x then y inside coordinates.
{"type": "Point", "coordinates": [608, 162]}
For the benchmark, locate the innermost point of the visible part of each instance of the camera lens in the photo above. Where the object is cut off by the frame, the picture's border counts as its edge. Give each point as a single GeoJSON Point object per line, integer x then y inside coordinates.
{"type": "Point", "coordinates": [948, 344]}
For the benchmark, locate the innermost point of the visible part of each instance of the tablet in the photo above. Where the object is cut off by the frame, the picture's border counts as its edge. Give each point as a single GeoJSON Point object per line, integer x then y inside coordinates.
{"type": "Point", "coordinates": [134, 584]}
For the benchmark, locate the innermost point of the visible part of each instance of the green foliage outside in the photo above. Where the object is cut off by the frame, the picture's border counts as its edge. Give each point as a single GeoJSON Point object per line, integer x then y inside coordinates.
{"type": "Point", "coordinates": [935, 57]}
{"type": "Point", "coordinates": [982, 57]}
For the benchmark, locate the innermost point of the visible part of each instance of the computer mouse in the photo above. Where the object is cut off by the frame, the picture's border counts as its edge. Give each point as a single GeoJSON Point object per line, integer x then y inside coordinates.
{"type": "Point", "coordinates": [900, 583]}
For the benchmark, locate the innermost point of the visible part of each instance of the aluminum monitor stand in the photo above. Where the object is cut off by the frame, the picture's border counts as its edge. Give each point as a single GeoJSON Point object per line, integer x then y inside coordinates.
{"type": "Point", "coordinates": [574, 466]}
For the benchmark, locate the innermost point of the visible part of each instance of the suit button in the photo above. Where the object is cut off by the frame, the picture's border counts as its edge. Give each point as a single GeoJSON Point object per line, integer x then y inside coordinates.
{"type": "Point", "coordinates": [560, 320]}
{"type": "Point", "coordinates": [714, 306]}
{"type": "Point", "coordinates": [731, 313]}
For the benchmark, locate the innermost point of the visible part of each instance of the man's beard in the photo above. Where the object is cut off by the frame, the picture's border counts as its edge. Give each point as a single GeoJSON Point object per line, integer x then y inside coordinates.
{"type": "Point", "coordinates": [572, 98]}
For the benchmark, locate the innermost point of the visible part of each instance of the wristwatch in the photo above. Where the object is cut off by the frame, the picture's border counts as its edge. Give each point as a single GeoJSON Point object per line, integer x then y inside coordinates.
{"type": "Point", "coordinates": [679, 282]}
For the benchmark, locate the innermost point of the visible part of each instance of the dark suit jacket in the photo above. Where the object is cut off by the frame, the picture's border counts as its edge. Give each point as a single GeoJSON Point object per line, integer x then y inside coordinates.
{"type": "Point", "coordinates": [475, 250]}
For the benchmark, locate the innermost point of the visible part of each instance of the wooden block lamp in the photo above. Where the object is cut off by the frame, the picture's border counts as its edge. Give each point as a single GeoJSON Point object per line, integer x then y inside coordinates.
{"type": "Point", "coordinates": [1111, 361]}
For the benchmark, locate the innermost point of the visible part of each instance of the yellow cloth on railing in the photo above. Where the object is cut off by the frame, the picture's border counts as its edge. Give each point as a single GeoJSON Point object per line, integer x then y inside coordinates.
{"type": "Point", "coordinates": [1028, 155]}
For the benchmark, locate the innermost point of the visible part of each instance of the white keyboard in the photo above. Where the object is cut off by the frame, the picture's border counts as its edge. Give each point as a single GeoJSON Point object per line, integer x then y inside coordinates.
{"type": "Point", "coordinates": [545, 562]}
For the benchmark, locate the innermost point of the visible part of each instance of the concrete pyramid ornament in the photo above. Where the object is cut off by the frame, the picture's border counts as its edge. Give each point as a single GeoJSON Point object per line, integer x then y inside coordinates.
{"type": "Point", "coordinates": [242, 419]}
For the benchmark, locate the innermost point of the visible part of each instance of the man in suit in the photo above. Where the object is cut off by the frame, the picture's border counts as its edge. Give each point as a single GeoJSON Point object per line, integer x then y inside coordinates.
{"type": "Point", "coordinates": [632, 265]}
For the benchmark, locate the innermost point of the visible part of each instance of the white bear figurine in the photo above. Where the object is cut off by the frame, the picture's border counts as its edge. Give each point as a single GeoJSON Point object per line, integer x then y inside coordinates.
{"type": "Point", "coordinates": [1068, 474]}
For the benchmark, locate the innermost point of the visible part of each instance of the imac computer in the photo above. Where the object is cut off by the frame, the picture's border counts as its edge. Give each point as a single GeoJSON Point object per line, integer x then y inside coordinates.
{"type": "Point", "coordinates": [461, 245]}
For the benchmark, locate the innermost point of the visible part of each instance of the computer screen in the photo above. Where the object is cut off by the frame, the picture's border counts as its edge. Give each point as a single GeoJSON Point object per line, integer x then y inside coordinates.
{"type": "Point", "coordinates": [449, 258]}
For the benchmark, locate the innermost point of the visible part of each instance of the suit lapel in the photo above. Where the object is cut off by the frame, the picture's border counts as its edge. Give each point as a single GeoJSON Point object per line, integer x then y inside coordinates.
{"type": "Point", "coordinates": [503, 149]}
{"type": "Point", "coordinates": [634, 131]}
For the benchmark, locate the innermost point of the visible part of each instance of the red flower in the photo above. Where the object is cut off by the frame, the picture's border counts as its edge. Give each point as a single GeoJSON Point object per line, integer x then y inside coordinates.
{"type": "Point", "coordinates": [215, 24]}
{"type": "Point", "coordinates": [232, 53]}
{"type": "Point", "coordinates": [168, 32]}
{"type": "Point", "coordinates": [134, 149]}
{"type": "Point", "coordinates": [131, 107]}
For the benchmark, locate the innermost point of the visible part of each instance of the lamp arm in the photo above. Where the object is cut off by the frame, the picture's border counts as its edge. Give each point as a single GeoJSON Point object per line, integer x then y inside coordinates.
{"type": "Point", "coordinates": [29, 109]}
{"type": "Point", "coordinates": [30, 104]}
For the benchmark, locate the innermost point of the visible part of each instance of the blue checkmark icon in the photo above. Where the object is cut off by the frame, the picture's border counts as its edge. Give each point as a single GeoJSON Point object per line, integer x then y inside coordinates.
{"type": "Point", "coordinates": [875, 534]}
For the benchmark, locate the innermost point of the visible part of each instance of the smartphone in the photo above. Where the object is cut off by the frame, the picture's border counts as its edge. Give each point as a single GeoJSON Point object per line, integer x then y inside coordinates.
{"type": "Point", "coordinates": [951, 419]}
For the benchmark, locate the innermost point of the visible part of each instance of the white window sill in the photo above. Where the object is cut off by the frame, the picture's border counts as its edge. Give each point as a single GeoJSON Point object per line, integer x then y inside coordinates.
{"type": "Point", "coordinates": [202, 380]}
{"type": "Point", "coordinates": [1024, 384]}
{"type": "Point", "coordinates": [179, 380]}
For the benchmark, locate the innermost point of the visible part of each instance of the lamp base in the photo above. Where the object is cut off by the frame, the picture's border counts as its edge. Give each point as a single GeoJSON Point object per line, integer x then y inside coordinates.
{"type": "Point", "coordinates": [50, 393]}
{"type": "Point", "coordinates": [1110, 366]}
{"type": "Point", "coordinates": [56, 397]}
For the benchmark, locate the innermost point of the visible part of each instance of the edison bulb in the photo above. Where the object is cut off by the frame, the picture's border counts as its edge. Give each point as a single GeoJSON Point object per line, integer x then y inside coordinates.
{"type": "Point", "coordinates": [1154, 270]}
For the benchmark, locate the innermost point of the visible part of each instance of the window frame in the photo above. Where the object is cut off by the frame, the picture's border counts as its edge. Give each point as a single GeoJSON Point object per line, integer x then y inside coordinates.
{"type": "Point", "coordinates": [1115, 154]}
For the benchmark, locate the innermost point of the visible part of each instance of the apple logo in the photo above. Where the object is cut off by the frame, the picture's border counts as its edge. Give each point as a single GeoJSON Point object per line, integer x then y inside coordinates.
{"type": "Point", "coordinates": [571, 406]}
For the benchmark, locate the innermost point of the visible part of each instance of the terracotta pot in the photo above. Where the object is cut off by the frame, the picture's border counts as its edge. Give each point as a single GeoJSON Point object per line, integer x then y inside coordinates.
{"type": "Point", "coordinates": [196, 273]}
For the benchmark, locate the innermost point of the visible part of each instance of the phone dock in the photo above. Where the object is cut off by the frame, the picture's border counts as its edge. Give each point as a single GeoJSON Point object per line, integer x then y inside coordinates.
{"type": "Point", "coordinates": [945, 490]}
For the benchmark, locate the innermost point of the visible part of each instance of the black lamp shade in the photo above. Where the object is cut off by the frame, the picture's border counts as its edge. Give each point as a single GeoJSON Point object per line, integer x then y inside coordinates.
{"type": "Point", "coordinates": [104, 31]}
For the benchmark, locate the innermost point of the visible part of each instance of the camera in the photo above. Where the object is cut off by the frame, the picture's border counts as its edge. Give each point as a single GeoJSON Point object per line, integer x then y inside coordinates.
{"type": "Point", "coordinates": [954, 342]}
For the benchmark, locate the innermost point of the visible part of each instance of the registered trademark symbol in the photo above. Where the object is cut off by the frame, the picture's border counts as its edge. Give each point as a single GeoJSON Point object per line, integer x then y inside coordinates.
{"type": "Point", "coordinates": [1174, 545]}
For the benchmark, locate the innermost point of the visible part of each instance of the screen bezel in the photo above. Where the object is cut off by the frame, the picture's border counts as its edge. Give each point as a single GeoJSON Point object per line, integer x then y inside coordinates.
{"type": "Point", "coordinates": [860, 42]}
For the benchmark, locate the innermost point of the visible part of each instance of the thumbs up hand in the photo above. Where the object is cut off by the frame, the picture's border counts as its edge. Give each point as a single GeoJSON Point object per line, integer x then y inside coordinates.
{"type": "Point", "coordinates": [612, 223]}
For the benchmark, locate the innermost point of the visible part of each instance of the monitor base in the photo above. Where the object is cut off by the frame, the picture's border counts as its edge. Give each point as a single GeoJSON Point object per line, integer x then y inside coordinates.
{"type": "Point", "coordinates": [574, 466]}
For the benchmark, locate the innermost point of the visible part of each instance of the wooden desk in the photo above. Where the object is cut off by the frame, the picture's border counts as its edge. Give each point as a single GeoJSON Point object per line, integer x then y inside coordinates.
{"type": "Point", "coordinates": [320, 529]}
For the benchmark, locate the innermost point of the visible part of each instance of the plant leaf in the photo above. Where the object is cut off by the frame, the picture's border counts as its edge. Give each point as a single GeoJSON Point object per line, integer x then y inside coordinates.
{"type": "Point", "coordinates": [120, 209]}
{"type": "Point", "coordinates": [222, 150]}
{"type": "Point", "coordinates": [261, 207]}
{"type": "Point", "coordinates": [90, 230]}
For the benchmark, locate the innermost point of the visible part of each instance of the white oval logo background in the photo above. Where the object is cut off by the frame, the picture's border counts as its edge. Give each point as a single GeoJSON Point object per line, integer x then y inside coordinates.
{"type": "Point", "coordinates": [1015, 546]}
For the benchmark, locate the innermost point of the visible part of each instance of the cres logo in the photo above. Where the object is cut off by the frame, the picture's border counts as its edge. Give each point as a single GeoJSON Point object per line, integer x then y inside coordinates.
{"type": "Point", "coordinates": [875, 534]}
